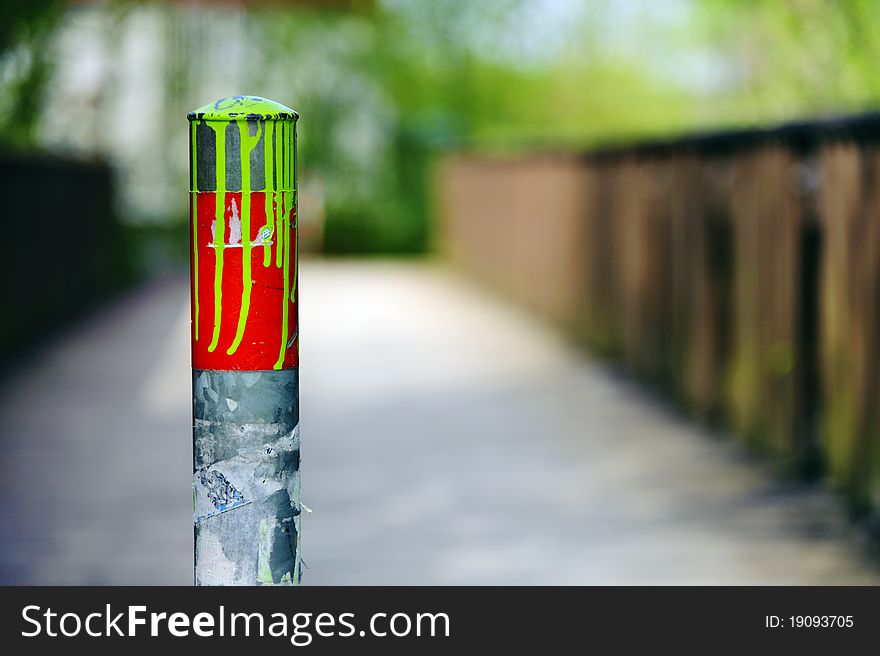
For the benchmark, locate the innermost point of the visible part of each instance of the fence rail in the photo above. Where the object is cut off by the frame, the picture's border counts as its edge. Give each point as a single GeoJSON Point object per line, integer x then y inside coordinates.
{"type": "Point", "coordinates": [741, 270]}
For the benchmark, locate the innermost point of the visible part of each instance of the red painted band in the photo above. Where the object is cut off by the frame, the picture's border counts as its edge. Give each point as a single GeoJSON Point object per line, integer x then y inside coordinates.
{"type": "Point", "coordinates": [264, 344]}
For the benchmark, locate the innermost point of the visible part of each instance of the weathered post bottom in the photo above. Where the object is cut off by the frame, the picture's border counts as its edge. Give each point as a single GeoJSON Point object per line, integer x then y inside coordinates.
{"type": "Point", "coordinates": [246, 486]}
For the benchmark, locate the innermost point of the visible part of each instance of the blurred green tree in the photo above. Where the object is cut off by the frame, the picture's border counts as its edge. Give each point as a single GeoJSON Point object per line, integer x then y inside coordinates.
{"type": "Point", "coordinates": [386, 86]}
{"type": "Point", "coordinates": [24, 35]}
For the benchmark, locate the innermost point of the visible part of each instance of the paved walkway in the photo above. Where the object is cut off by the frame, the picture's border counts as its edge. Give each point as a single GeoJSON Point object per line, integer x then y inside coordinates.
{"type": "Point", "coordinates": [447, 438]}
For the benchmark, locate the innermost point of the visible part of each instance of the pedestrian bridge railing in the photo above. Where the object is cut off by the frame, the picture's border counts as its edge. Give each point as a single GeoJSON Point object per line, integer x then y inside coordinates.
{"type": "Point", "coordinates": [738, 270]}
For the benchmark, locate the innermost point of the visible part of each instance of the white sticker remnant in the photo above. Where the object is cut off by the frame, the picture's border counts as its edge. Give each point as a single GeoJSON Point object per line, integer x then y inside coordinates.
{"type": "Point", "coordinates": [234, 226]}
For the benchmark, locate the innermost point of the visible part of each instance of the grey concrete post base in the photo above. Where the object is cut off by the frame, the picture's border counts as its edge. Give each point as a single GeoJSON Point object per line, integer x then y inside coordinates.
{"type": "Point", "coordinates": [246, 486]}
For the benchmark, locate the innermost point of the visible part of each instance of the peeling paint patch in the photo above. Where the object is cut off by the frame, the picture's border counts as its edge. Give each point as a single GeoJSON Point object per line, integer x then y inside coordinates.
{"type": "Point", "coordinates": [220, 491]}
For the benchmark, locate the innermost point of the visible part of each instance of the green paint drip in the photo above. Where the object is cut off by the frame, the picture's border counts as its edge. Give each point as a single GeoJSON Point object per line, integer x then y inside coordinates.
{"type": "Point", "coordinates": [295, 201]}
{"type": "Point", "coordinates": [279, 232]}
{"type": "Point", "coordinates": [248, 143]}
{"type": "Point", "coordinates": [283, 227]}
{"type": "Point", "coordinates": [290, 156]}
{"type": "Point", "coordinates": [192, 142]}
{"type": "Point", "coordinates": [295, 208]}
{"type": "Point", "coordinates": [219, 229]}
{"type": "Point", "coordinates": [267, 150]}
{"type": "Point", "coordinates": [279, 169]}
{"type": "Point", "coordinates": [194, 213]}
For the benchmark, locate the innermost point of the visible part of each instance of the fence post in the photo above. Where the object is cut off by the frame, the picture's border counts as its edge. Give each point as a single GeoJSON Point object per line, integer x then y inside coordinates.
{"type": "Point", "coordinates": [245, 349]}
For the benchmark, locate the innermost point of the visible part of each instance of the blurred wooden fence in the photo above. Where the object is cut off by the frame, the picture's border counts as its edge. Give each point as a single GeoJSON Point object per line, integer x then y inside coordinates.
{"type": "Point", "coordinates": [64, 248]}
{"type": "Point", "coordinates": [741, 271]}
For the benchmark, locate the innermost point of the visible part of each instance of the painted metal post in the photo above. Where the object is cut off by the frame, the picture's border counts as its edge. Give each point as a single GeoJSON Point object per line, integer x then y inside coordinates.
{"type": "Point", "coordinates": [246, 490]}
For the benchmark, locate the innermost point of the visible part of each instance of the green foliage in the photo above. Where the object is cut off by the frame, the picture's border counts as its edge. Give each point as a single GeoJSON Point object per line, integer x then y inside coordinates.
{"type": "Point", "coordinates": [24, 35]}
{"type": "Point", "coordinates": [795, 58]}
{"type": "Point", "coordinates": [387, 88]}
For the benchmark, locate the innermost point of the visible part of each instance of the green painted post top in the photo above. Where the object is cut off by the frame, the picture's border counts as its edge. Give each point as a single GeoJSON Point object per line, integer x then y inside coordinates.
{"type": "Point", "coordinates": [242, 144]}
{"type": "Point", "coordinates": [243, 108]}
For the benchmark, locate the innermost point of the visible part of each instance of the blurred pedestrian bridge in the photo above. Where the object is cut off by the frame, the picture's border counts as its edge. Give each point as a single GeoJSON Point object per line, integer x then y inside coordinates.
{"type": "Point", "coordinates": [449, 437]}
{"type": "Point", "coordinates": [644, 365]}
